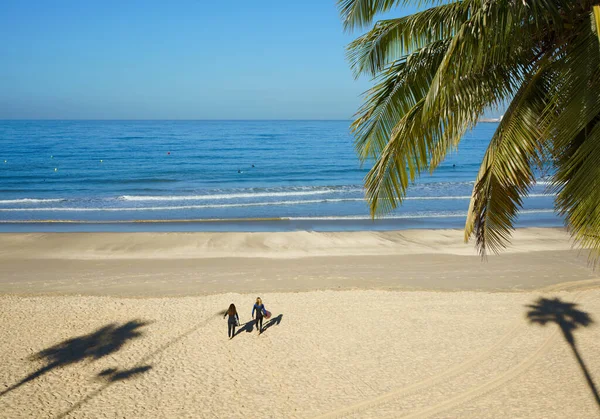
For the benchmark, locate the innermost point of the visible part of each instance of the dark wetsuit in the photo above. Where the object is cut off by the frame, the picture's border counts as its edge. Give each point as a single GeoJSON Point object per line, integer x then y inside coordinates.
{"type": "Point", "coordinates": [231, 322]}
{"type": "Point", "coordinates": [259, 315]}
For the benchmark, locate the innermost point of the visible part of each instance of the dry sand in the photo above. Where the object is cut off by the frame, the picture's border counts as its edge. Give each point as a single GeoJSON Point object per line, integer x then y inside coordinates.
{"type": "Point", "coordinates": [77, 340]}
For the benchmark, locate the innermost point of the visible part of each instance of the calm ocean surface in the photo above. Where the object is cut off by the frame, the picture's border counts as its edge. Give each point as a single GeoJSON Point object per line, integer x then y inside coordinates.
{"type": "Point", "coordinates": [104, 175]}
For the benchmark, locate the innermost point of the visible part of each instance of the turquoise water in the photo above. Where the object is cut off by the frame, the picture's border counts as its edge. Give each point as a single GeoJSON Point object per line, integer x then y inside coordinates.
{"type": "Point", "coordinates": [108, 175]}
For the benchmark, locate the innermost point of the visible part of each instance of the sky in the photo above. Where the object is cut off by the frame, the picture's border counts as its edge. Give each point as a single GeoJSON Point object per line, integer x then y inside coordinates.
{"type": "Point", "coordinates": [184, 59]}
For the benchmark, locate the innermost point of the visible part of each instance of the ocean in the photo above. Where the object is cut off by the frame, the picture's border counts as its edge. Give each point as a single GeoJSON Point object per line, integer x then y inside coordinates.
{"type": "Point", "coordinates": [220, 176]}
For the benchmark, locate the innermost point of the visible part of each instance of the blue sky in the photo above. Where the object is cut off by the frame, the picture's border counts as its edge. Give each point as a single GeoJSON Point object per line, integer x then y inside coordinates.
{"type": "Point", "coordinates": [185, 59]}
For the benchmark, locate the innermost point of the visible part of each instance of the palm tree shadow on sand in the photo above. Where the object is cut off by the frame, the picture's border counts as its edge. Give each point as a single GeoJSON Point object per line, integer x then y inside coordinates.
{"type": "Point", "coordinates": [568, 318]}
{"type": "Point", "coordinates": [114, 375]}
{"type": "Point", "coordinates": [104, 341]}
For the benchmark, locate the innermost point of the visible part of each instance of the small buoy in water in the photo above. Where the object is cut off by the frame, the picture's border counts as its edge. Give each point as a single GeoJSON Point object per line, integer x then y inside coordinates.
{"type": "Point", "coordinates": [101, 161]}
{"type": "Point", "coordinates": [51, 157]}
{"type": "Point", "coordinates": [55, 169]}
{"type": "Point", "coordinates": [168, 152]}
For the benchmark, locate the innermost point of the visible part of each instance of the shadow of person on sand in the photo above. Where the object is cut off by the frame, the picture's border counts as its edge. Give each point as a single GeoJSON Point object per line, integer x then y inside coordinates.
{"type": "Point", "coordinates": [568, 318]}
{"type": "Point", "coordinates": [246, 327]}
{"type": "Point", "coordinates": [272, 322]}
{"type": "Point", "coordinates": [104, 341]}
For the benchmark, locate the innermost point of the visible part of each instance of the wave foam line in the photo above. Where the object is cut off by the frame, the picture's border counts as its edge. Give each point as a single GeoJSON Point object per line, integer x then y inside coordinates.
{"type": "Point", "coordinates": [282, 194]}
{"type": "Point", "coordinates": [181, 220]}
{"type": "Point", "coordinates": [143, 198]}
{"type": "Point", "coordinates": [30, 201]}
{"type": "Point", "coordinates": [182, 207]}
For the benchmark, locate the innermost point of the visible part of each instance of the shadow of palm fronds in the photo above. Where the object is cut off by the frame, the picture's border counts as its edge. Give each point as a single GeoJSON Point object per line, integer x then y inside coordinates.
{"type": "Point", "coordinates": [568, 318]}
{"type": "Point", "coordinates": [104, 341]}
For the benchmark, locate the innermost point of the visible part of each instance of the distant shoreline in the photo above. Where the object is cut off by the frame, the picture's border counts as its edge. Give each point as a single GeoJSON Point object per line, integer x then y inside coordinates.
{"type": "Point", "coordinates": [536, 218]}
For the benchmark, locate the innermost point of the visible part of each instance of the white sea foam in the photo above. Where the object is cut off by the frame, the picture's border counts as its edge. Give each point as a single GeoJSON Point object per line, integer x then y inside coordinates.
{"type": "Point", "coordinates": [184, 207]}
{"type": "Point", "coordinates": [536, 211]}
{"type": "Point", "coordinates": [436, 198]}
{"type": "Point", "coordinates": [242, 195]}
{"type": "Point", "coordinates": [30, 201]}
{"type": "Point", "coordinates": [215, 205]}
{"type": "Point", "coordinates": [284, 194]}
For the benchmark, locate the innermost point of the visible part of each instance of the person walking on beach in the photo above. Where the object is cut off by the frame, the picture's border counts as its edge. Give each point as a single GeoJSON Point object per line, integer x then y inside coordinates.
{"type": "Point", "coordinates": [233, 320]}
{"type": "Point", "coordinates": [260, 310]}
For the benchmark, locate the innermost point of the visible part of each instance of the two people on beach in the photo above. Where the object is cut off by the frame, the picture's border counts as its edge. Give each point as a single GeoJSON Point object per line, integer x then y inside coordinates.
{"type": "Point", "coordinates": [234, 319]}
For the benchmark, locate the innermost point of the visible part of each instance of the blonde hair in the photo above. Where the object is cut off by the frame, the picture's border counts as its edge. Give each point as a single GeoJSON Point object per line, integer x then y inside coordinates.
{"type": "Point", "coordinates": [258, 301]}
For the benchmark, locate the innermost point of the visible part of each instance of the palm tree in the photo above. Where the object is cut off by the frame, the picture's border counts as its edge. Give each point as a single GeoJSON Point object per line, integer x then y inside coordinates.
{"type": "Point", "coordinates": [439, 70]}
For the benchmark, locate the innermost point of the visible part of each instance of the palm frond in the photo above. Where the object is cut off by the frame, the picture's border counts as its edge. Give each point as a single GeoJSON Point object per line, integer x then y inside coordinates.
{"type": "Point", "coordinates": [514, 37]}
{"type": "Point", "coordinates": [415, 146]}
{"type": "Point", "coordinates": [577, 141]}
{"type": "Point", "coordinates": [389, 177]}
{"type": "Point", "coordinates": [506, 172]}
{"type": "Point", "coordinates": [579, 199]}
{"type": "Point", "coordinates": [358, 13]}
{"type": "Point", "coordinates": [439, 69]}
{"type": "Point", "coordinates": [398, 90]}
{"type": "Point", "coordinates": [466, 101]}
{"type": "Point", "coordinates": [390, 40]}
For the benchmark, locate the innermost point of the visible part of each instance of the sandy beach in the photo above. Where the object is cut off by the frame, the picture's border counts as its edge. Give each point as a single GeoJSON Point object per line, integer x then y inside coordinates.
{"type": "Point", "coordinates": [404, 324]}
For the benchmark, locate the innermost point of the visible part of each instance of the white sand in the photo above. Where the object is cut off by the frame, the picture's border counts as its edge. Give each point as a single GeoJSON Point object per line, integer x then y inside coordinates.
{"type": "Point", "coordinates": [377, 353]}
{"type": "Point", "coordinates": [355, 353]}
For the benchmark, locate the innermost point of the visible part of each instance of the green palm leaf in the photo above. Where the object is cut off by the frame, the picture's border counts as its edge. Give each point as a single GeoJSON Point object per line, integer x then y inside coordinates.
{"type": "Point", "coordinates": [398, 90]}
{"type": "Point", "coordinates": [506, 173]}
{"type": "Point", "coordinates": [358, 13]}
{"type": "Point", "coordinates": [391, 40]}
{"type": "Point", "coordinates": [436, 73]}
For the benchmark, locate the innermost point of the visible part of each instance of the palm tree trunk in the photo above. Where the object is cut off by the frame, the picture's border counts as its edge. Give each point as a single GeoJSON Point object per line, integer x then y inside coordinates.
{"type": "Point", "coordinates": [30, 377]}
{"type": "Point", "coordinates": [588, 377]}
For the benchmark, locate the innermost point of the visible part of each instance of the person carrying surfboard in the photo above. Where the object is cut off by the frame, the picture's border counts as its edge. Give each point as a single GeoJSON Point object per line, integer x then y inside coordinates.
{"type": "Point", "coordinates": [261, 311]}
